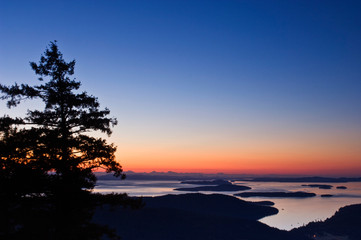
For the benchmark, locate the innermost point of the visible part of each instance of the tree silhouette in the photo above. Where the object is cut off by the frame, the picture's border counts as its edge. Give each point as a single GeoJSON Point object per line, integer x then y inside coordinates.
{"type": "Point", "coordinates": [49, 154]}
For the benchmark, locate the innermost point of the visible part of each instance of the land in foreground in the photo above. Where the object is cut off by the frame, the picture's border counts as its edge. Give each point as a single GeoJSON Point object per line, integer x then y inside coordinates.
{"type": "Point", "coordinates": [216, 216]}
{"type": "Point", "coordinates": [193, 216]}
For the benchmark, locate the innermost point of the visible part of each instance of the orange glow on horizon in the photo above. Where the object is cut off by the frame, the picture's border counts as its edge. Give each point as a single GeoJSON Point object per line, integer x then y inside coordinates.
{"type": "Point", "coordinates": [234, 162]}
{"type": "Point", "coordinates": [285, 155]}
{"type": "Point", "coordinates": [298, 172]}
{"type": "Point", "coordinates": [345, 171]}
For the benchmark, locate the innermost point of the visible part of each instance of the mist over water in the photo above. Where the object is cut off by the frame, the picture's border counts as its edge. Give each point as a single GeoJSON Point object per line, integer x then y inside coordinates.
{"type": "Point", "coordinates": [293, 212]}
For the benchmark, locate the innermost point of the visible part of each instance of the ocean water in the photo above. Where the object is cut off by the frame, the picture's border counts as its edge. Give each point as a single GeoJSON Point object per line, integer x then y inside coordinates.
{"type": "Point", "coordinates": [293, 212]}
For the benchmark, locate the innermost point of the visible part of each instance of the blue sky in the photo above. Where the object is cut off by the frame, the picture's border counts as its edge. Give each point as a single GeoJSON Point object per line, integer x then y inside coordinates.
{"type": "Point", "coordinates": [199, 74]}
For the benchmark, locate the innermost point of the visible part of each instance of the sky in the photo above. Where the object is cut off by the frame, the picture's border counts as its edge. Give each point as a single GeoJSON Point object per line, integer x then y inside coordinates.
{"type": "Point", "coordinates": [261, 87]}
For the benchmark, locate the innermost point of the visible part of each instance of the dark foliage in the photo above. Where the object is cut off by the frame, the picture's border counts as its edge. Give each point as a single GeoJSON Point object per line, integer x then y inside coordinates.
{"type": "Point", "coordinates": [47, 158]}
{"type": "Point", "coordinates": [115, 199]}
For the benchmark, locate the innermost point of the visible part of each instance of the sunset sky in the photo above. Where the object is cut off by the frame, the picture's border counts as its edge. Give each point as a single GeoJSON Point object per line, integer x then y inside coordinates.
{"type": "Point", "coordinates": [207, 86]}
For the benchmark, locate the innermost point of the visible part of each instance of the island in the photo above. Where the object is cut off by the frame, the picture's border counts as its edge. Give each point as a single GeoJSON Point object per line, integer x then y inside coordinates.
{"type": "Point", "coordinates": [341, 187]}
{"type": "Point", "coordinates": [320, 186]}
{"type": "Point", "coordinates": [218, 188]}
{"type": "Point", "coordinates": [326, 195]}
{"type": "Point", "coordinates": [276, 194]}
{"type": "Point", "coordinates": [207, 182]}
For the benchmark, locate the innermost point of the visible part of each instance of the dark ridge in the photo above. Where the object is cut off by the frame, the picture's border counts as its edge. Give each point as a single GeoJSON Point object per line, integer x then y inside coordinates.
{"type": "Point", "coordinates": [174, 224]}
{"type": "Point", "coordinates": [215, 204]}
{"type": "Point", "coordinates": [192, 217]}
{"type": "Point", "coordinates": [276, 194]}
{"type": "Point", "coordinates": [341, 187]}
{"type": "Point", "coordinates": [264, 203]}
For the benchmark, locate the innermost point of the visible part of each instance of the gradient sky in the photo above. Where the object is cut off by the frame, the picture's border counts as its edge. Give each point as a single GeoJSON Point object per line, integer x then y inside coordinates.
{"type": "Point", "coordinates": [207, 86]}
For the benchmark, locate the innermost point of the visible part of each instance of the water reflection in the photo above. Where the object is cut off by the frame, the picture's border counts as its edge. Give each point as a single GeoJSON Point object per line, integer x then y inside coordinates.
{"type": "Point", "coordinates": [298, 212]}
{"type": "Point", "coordinates": [138, 188]}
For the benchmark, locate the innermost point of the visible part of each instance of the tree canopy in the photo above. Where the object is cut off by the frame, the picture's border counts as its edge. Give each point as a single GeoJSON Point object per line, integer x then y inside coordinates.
{"type": "Point", "coordinates": [55, 139]}
{"type": "Point", "coordinates": [47, 158]}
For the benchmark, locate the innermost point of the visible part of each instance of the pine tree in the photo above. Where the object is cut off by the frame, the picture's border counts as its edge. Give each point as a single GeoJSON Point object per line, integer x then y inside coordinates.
{"type": "Point", "coordinates": [59, 141]}
{"type": "Point", "coordinates": [50, 155]}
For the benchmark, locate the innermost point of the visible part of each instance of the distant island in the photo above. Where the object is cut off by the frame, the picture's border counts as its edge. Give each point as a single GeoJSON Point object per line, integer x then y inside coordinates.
{"type": "Point", "coordinates": [207, 182]}
{"type": "Point", "coordinates": [218, 188]}
{"type": "Point", "coordinates": [320, 186]}
{"type": "Point", "coordinates": [326, 195]}
{"type": "Point", "coordinates": [276, 194]}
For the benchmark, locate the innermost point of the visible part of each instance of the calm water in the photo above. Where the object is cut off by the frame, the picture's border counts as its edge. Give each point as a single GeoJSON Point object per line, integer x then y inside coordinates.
{"type": "Point", "coordinates": [293, 212]}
